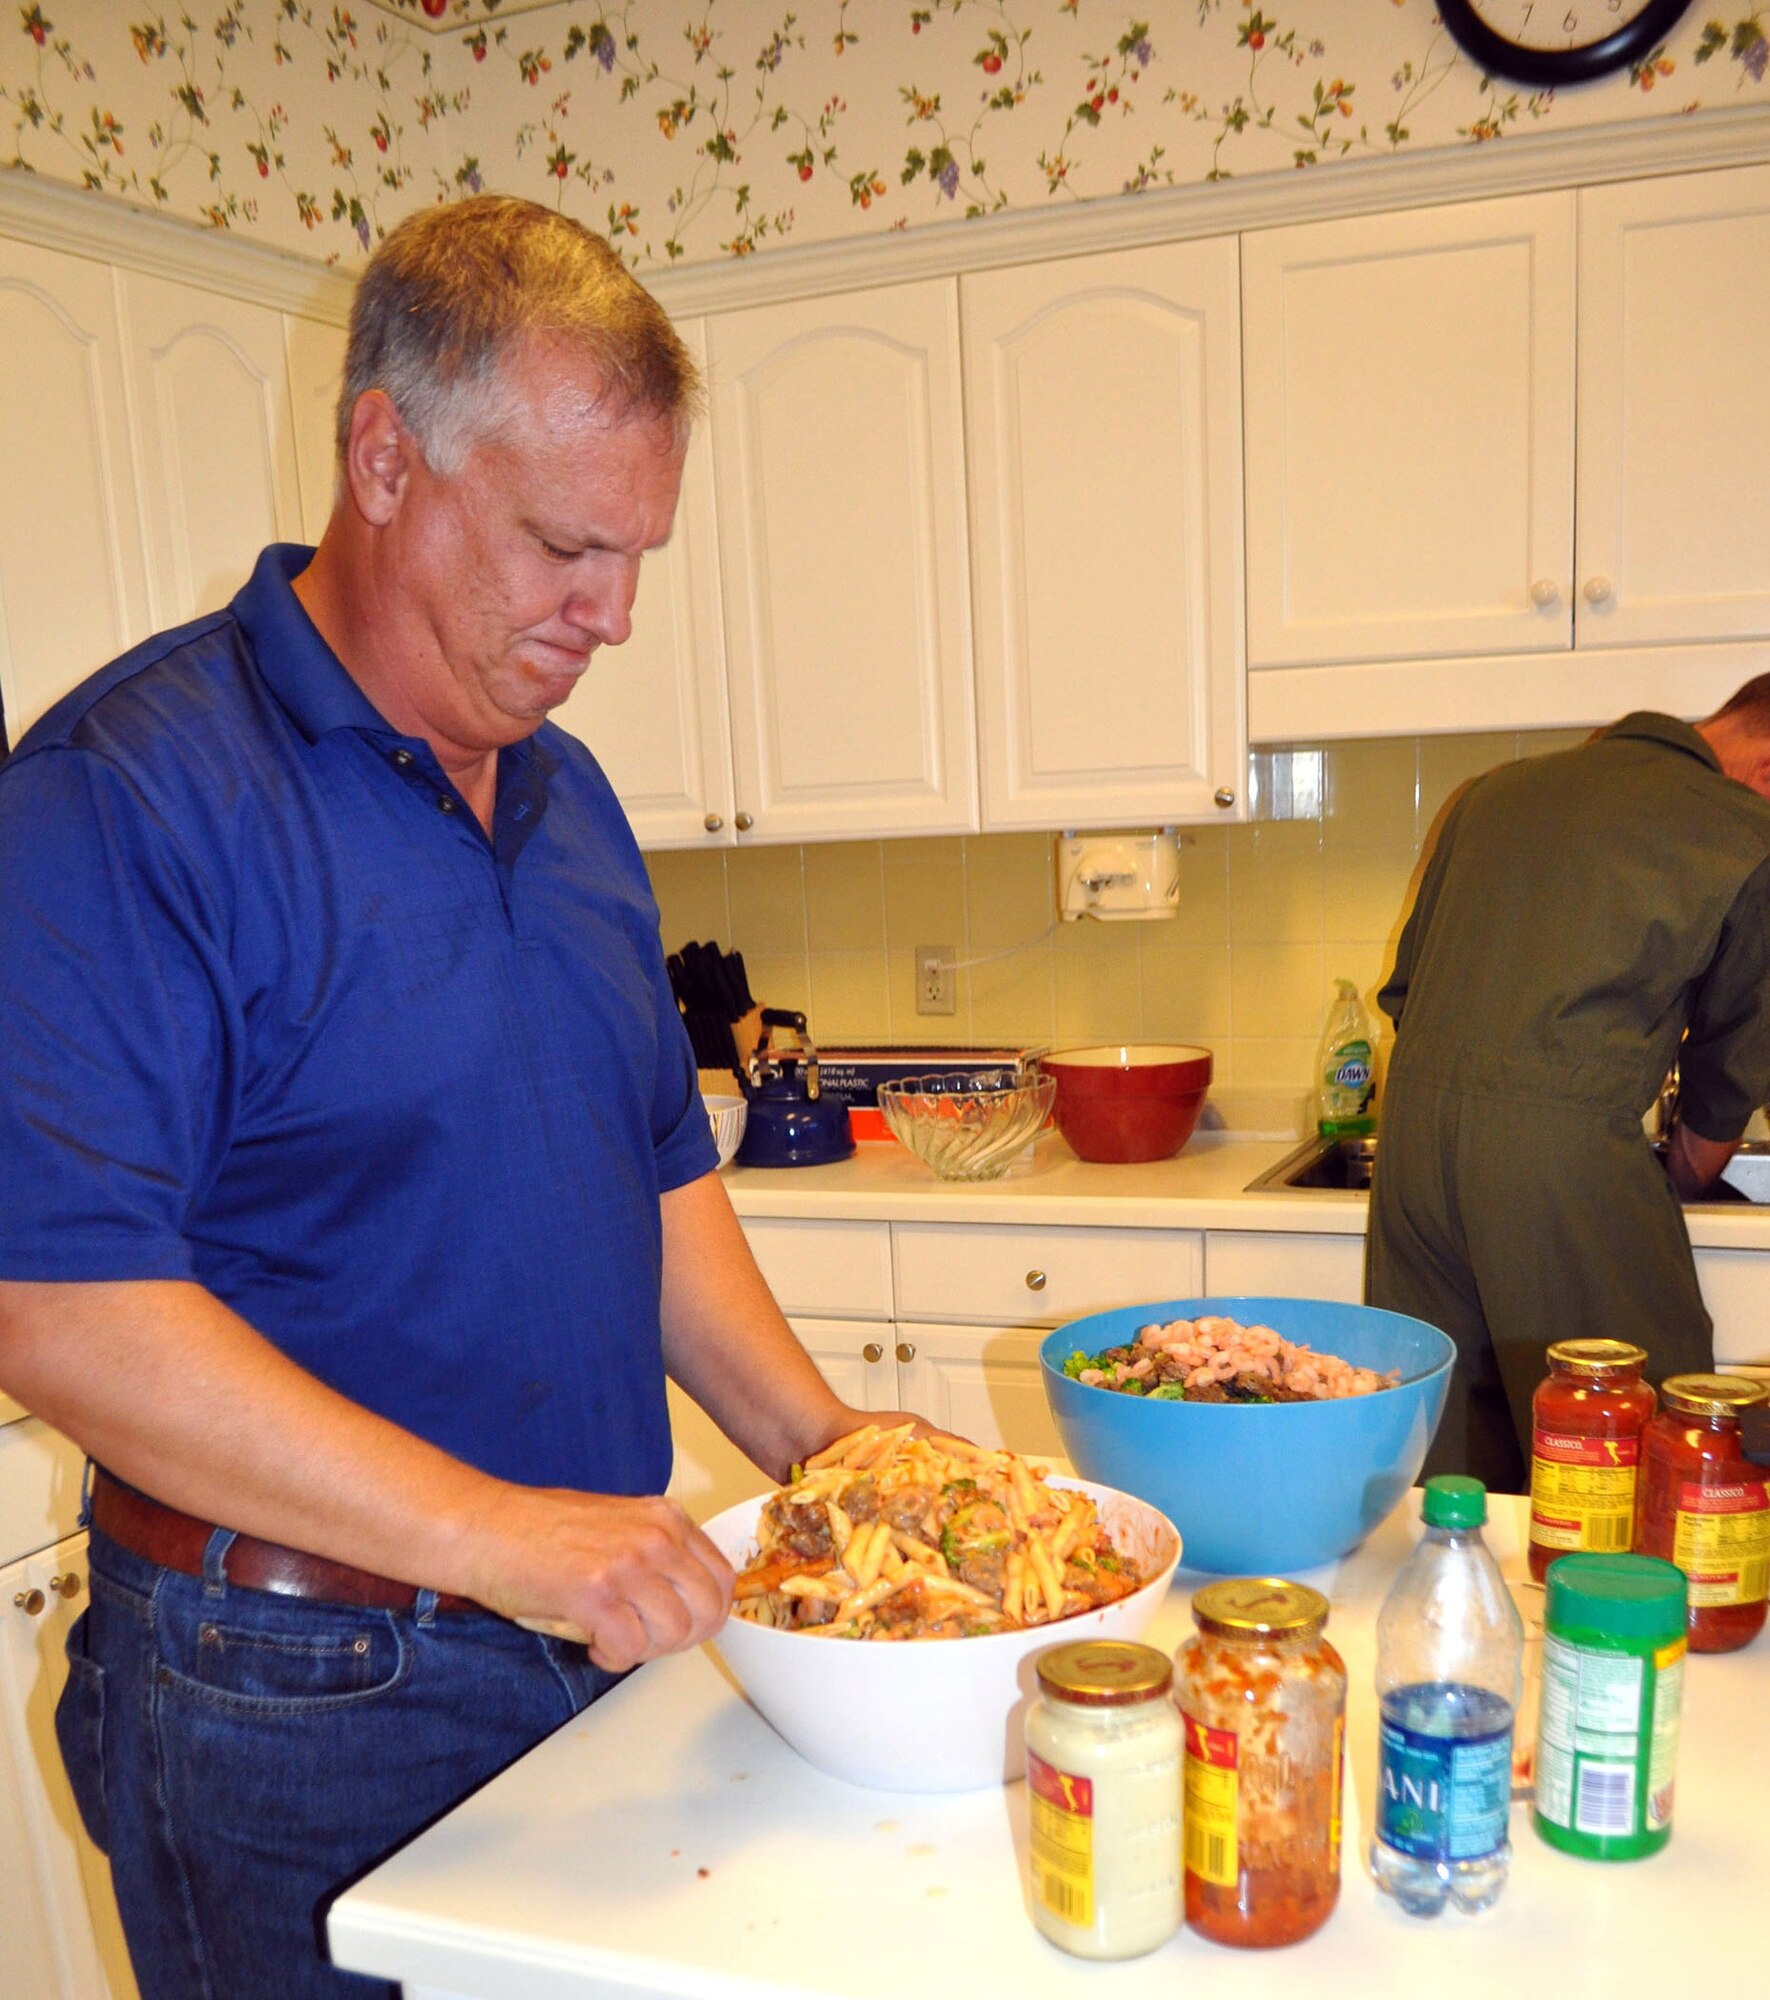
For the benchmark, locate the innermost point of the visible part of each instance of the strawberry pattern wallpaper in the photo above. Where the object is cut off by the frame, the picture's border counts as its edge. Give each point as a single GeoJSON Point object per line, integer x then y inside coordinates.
{"type": "Point", "coordinates": [695, 130]}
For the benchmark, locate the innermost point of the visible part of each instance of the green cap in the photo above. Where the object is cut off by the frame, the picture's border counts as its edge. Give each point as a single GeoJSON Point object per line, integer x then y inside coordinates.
{"type": "Point", "coordinates": [1630, 1597]}
{"type": "Point", "coordinates": [1454, 1502]}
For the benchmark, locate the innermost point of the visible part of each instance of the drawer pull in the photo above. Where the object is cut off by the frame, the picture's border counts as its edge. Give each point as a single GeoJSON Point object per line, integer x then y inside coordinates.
{"type": "Point", "coordinates": [872, 1352]}
{"type": "Point", "coordinates": [66, 1585]}
{"type": "Point", "coordinates": [1035, 1281]}
{"type": "Point", "coordinates": [30, 1602]}
{"type": "Point", "coordinates": [905, 1351]}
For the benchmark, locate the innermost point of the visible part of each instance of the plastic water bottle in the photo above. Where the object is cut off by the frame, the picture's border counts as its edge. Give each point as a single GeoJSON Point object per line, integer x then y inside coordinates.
{"type": "Point", "coordinates": [1450, 1649]}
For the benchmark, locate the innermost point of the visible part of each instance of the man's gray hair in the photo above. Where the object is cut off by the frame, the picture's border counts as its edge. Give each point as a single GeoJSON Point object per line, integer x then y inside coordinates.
{"type": "Point", "coordinates": [455, 290]}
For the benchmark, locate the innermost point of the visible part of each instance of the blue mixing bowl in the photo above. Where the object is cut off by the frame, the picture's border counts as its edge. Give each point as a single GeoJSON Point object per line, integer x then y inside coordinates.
{"type": "Point", "coordinates": [1259, 1489]}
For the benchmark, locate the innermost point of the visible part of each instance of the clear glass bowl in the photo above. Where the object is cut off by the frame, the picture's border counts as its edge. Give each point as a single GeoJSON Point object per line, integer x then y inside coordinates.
{"type": "Point", "coordinates": [967, 1128]}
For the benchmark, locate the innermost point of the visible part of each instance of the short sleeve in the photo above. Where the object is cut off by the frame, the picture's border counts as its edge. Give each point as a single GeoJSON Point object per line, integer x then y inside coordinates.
{"type": "Point", "coordinates": [115, 1088]}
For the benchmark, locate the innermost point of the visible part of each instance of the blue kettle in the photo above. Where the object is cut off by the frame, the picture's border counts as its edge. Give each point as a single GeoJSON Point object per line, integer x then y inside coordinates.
{"type": "Point", "coordinates": [790, 1123]}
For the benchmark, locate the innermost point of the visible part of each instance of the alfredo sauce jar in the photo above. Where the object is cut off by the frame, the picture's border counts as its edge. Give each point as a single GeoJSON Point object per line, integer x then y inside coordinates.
{"type": "Point", "coordinates": [1103, 1792]}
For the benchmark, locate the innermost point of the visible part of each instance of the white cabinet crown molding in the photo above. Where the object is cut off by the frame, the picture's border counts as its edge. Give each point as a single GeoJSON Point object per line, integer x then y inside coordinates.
{"type": "Point", "coordinates": [120, 232]}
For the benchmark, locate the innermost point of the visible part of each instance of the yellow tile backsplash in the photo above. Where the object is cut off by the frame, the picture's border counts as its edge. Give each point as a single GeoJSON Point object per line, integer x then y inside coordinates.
{"type": "Point", "coordinates": [1271, 913]}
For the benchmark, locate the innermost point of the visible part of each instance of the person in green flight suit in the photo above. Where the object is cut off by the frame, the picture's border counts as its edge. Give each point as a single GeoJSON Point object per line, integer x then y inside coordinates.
{"type": "Point", "coordinates": [1585, 920]}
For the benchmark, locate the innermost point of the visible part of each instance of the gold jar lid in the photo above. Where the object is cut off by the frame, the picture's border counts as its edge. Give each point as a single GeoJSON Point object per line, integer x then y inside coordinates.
{"type": "Point", "coordinates": [1711, 1395]}
{"type": "Point", "coordinates": [1104, 1673]}
{"type": "Point", "coordinates": [1599, 1356]}
{"type": "Point", "coordinates": [1263, 1606]}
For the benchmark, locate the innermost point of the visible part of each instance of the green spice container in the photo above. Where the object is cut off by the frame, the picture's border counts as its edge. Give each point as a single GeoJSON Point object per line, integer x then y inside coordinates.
{"type": "Point", "coordinates": [1613, 1682]}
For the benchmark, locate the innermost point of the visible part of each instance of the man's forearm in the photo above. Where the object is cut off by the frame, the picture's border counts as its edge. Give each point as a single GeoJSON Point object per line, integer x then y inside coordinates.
{"type": "Point", "coordinates": [1694, 1163]}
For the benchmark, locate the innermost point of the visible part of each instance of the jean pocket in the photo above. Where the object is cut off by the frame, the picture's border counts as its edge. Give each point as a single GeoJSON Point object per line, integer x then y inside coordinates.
{"type": "Point", "coordinates": [278, 1657]}
{"type": "Point", "coordinates": [79, 1731]}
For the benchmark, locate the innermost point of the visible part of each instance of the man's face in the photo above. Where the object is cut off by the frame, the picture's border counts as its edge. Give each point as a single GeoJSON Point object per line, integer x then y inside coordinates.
{"type": "Point", "coordinates": [518, 565]}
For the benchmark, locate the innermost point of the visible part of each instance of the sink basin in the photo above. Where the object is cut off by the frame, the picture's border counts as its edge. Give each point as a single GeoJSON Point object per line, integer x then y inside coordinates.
{"type": "Point", "coordinates": [1343, 1166]}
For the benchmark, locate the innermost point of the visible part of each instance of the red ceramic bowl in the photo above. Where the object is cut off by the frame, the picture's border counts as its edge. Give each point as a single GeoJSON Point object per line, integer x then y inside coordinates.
{"type": "Point", "coordinates": [1129, 1100]}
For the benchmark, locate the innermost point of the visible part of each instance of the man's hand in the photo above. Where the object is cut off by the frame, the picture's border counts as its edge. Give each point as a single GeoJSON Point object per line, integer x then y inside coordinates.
{"type": "Point", "coordinates": [632, 1578]}
{"type": "Point", "coordinates": [1694, 1163]}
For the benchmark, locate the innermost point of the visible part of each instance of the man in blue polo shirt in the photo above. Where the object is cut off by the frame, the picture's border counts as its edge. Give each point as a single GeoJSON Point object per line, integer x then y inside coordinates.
{"type": "Point", "coordinates": [356, 1196]}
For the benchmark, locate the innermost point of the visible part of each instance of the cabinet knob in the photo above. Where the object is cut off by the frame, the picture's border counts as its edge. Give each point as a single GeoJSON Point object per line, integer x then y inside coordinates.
{"type": "Point", "coordinates": [66, 1585]}
{"type": "Point", "coordinates": [1598, 590]}
{"type": "Point", "coordinates": [906, 1350]}
{"type": "Point", "coordinates": [30, 1602]}
{"type": "Point", "coordinates": [872, 1352]}
{"type": "Point", "coordinates": [1035, 1281]}
{"type": "Point", "coordinates": [744, 822]}
{"type": "Point", "coordinates": [1224, 797]}
{"type": "Point", "coordinates": [1545, 593]}
{"type": "Point", "coordinates": [713, 822]}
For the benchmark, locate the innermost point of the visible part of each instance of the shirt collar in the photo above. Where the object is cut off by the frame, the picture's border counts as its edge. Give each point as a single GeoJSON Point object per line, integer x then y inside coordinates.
{"type": "Point", "coordinates": [1645, 725]}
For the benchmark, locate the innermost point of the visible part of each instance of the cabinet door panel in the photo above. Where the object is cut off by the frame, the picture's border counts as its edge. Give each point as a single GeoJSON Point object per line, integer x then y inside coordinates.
{"type": "Point", "coordinates": [983, 1383]}
{"type": "Point", "coordinates": [57, 1913]}
{"type": "Point", "coordinates": [215, 444]}
{"type": "Point", "coordinates": [838, 439]}
{"type": "Point", "coordinates": [1409, 427]}
{"type": "Point", "coordinates": [1674, 310]}
{"type": "Point", "coordinates": [844, 1351]}
{"type": "Point", "coordinates": [1103, 403]}
{"type": "Point", "coordinates": [653, 710]}
{"type": "Point", "coordinates": [1736, 1289]}
{"type": "Point", "coordinates": [835, 1267]}
{"type": "Point", "coordinates": [73, 587]}
{"type": "Point", "coordinates": [40, 1475]}
{"type": "Point", "coordinates": [315, 351]}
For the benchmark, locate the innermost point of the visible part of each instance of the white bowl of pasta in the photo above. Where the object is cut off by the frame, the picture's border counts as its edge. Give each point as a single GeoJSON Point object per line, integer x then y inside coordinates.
{"type": "Point", "coordinates": [927, 1689]}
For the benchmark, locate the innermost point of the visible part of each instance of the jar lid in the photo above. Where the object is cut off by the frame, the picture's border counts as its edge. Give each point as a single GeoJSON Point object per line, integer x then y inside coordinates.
{"type": "Point", "coordinates": [1600, 1355]}
{"type": "Point", "coordinates": [1454, 1501]}
{"type": "Point", "coordinates": [1631, 1597]}
{"type": "Point", "coordinates": [1247, 1605]}
{"type": "Point", "coordinates": [1711, 1395]}
{"type": "Point", "coordinates": [1103, 1673]}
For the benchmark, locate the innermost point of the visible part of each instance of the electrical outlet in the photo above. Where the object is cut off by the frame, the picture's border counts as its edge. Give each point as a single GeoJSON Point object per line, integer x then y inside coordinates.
{"type": "Point", "coordinates": [936, 982]}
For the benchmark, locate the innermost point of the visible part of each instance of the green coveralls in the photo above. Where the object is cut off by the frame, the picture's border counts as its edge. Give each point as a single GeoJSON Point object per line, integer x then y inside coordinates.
{"type": "Point", "coordinates": [1580, 913]}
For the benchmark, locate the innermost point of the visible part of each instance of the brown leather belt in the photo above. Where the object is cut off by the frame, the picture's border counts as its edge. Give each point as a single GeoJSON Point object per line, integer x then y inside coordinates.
{"type": "Point", "coordinates": [160, 1534]}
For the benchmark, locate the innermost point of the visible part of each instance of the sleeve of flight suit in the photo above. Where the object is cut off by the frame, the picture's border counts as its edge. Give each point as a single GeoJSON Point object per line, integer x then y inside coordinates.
{"type": "Point", "coordinates": [1724, 1063]}
{"type": "Point", "coordinates": [1436, 859]}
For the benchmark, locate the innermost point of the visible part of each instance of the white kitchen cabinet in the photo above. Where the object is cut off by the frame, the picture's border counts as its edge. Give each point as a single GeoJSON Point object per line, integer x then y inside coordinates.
{"type": "Point", "coordinates": [838, 447]}
{"type": "Point", "coordinates": [215, 449]}
{"type": "Point", "coordinates": [1736, 1289]}
{"type": "Point", "coordinates": [1011, 1275]}
{"type": "Point", "coordinates": [73, 580]}
{"type": "Point", "coordinates": [314, 355]}
{"type": "Point", "coordinates": [1410, 433]}
{"type": "Point", "coordinates": [654, 710]}
{"type": "Point", "coordinates": [1249, 1263]}
{"type": "Point", "coordinates": [1674, 335]}
{"type": "Point", "coordinates": [1103, 420]}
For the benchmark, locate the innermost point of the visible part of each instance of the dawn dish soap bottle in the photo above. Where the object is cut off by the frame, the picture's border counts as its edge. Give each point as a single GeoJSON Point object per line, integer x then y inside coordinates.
{"type": "Point", "coordinates": [1346, 1068]}
{"type": "Point", "coordinates": [1450, 1650]}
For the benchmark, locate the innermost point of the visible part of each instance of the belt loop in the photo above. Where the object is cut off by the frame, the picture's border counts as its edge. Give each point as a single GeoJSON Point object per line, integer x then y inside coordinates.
{"type": "Point", "coordinates": [215, 1562]}
{"type": "Point", "coordinates": [86, 1472]}
{"type": "Point", "coordinates": [426, 1607]}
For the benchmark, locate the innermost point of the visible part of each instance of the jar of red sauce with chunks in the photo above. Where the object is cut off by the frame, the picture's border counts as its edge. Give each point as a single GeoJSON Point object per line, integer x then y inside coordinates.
{"type": "Point", "coordinates": [1263, 1698]}
{"type": "Point", "coordinates": [1586, 1420]}
{"type": "Point", "coordinates": [1704, 1505]}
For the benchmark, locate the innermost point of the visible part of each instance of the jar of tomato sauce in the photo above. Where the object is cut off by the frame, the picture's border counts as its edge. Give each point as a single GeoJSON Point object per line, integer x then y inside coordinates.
{"type": "Point", "coordinates": [1263, 1698]}
{"type": "Point", "coordinates": [1703, 1505]}
{"type": "Point", "coordinates": [1586, 1421]}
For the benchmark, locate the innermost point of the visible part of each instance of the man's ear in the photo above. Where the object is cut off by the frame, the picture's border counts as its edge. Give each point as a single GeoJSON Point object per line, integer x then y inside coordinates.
{"type": "Point", "coordinates": [378, 454]}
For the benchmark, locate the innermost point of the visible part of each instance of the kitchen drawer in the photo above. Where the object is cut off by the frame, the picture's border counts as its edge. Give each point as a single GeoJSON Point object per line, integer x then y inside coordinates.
{"type": "Point", "coordinates": [1038, 1277]}
{"type": "Point", "coordinates": [1275, 1264]}
{"type": "Point", "coordinates": [1736, 1290]}
{"type": "Point", "coordinates": [833, 1269]}
{"type": "Point", "coordinates": [39, 1487]}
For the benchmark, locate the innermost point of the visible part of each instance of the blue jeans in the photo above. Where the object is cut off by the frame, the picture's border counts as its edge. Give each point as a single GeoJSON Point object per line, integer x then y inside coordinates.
{"type": "Point", "coordinates": [241, 1757]}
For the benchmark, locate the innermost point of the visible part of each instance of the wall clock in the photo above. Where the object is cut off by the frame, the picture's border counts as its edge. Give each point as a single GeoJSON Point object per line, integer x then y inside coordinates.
{"type": "Point", "coordinates": [1549, 44]}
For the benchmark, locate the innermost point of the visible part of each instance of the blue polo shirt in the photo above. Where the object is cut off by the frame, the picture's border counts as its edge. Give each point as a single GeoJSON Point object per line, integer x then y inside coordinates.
{"type": "Point", "coordinates": [277, 1017]}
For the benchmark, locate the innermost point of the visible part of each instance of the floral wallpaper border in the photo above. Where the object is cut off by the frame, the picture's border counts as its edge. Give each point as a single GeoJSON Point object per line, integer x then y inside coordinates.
{"type": "Point", "coordinates": [700, 129]}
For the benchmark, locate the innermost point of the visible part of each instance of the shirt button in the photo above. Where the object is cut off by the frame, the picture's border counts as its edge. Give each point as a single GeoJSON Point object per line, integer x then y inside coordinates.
{"type": "Point", "coordinates": [402, 759]}
{"type": "Point", "coordinates": [444, 803]}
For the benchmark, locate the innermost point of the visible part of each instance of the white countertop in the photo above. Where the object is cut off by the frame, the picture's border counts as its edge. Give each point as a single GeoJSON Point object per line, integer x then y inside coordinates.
{"type": "Point", "coordinates": [668, 1843]}
{"type": "Point", "coordinates": [1203, 1187]}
